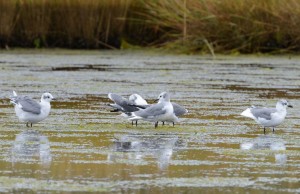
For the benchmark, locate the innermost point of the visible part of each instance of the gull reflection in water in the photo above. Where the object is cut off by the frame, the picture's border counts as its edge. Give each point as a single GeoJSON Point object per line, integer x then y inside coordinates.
{"type": "Point", "coordinates": [139, 147]}
{"type": "Point", "coordinates": [267, 143]}
{"type": "Point", "coordinates": [31, 146]}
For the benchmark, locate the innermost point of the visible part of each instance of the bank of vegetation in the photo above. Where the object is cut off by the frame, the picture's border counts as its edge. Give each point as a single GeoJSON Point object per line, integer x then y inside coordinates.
{"type": "Point", "coordinates": [223, 26]}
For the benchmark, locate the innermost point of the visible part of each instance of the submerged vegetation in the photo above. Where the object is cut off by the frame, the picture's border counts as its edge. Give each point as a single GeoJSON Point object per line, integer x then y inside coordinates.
{"type": "Point", "coordinates": [185, 25]}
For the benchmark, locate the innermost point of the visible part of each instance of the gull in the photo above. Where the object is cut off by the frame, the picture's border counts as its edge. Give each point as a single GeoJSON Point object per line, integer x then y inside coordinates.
{"type": "Point", "coordinates": [124, 105]}
{"type": "Point", "coordinates": [162, 111]}
{"type": "Point", "coordinates": [268, 117]}
{"type": "Point", "coordinates": [178, 110]}
{"type": "Point", "coordinates": [30, 111]}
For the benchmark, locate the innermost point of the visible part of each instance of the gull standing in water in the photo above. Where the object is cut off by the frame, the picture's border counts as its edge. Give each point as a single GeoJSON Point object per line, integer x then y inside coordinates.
{"type": "Point", "coordinates": [268, 117]}
{"type": "Point", "coordinates": [162, 111]}
{"type": "Point", "coordinates": [178, 110]}
{"type": "Point", "coordinates": [30, 111]}
{"type": "Point", "coordinates": [126, 106]}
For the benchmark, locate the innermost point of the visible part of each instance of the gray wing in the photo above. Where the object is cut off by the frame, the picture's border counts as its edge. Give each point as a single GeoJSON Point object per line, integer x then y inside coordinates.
{"type": "Point", "coordinates": [141, 106]}
{"type": "Point", "coordinates": [116, 107]}
{"type": "Point", "coordinates": [178, 110]}
{"type": "Point", "coordinates": [28, 104]}
{"type": "Point", "coordinates": [122, 104]}
{"type": "Point", "coordinates": [263, 112]}
{"type": "Point", "coordinates": [151, 111]}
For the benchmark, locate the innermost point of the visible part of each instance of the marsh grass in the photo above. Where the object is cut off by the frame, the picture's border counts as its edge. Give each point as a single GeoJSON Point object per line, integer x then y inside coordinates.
{"type": "Point", "coordinates": [230, 26]}
{"type": "Point", "coordinates": [63, 23]}
{"type": "Point", "coordinates": [7, 14]}
{"type": "Point", "coordinates": [33, 22]}
{"type": "Point", "coordinates": [90, 23]}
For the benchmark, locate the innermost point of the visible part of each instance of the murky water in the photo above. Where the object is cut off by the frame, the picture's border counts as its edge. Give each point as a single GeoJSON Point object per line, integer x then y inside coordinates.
{"type": "Point", "coordinates": [84, 147]}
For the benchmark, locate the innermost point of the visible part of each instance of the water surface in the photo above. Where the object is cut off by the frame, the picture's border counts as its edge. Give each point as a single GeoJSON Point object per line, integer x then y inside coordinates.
{"type": "Point", "coordinates": [84, 147]}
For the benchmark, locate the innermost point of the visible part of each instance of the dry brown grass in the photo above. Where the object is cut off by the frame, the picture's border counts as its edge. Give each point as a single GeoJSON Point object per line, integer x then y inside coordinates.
{"type": "Point", "coordinates": [89, 23]}
{"type": "Point", "coordinates": [63, 23]}
{"type": "Point", "coordinates": [229, 25]}
{"type": "Point", "coordinates": [7, 20]}
{"type": "Point", "coordinates": [184, 25]}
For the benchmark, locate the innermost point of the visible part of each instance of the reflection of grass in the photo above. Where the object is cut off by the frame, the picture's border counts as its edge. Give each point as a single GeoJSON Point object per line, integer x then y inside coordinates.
{"type": "Point", "coordinates": [119, 185]}
{"type": "Point", "coordinates": [11, 183]}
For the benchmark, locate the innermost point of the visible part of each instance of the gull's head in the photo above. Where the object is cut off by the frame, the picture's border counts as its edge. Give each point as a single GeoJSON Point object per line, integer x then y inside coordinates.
{"type": "Point", "coordinates": [137, 99]}
{"type": "Point", "coordinates": [47, 97]}
{"type": "Point", "coordinates": [283, 104]}
{"type": "Point", "coordinates": [164, 96]}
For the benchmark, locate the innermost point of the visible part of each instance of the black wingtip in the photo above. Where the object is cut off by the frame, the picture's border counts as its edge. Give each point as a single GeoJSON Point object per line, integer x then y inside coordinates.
{"type": "Point", "coordinates": [128, 114]}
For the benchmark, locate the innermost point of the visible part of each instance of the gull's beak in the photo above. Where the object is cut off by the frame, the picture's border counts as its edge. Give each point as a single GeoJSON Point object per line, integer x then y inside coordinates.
{"type": "Point", "coordinates": [290, 106]}
{"type": "Point", "coordinates": [156, 100]}
{"type": "Point", "coordinates": [53, 99]}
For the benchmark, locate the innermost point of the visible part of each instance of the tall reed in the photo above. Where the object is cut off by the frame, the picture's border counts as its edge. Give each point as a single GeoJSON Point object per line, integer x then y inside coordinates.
{"type": "Point", "coordinates": [7, 20]}
{"type": "Point", "coordinates": [89, 23]}
{"type": "Point", "coordinates": [228, 25]}
{"type": "Point", "coordinates": [33, 22]}
{"type": "Point", "coordinates": [63, 23]}
{"type": "Point", "coordinates": [185, 25]}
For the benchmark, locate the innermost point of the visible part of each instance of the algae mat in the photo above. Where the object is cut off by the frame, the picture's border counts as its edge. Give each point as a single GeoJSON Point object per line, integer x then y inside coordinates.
{"type": "Point", "coordinates": [83, 147]}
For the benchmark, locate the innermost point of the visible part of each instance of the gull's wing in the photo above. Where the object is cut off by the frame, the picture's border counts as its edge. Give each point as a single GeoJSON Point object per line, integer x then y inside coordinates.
{"type": "Point", "coordinates": [178, 110]}
{"type": "Point", "coordinates": [141, 106]}
{"type": "Point", "coordinates": [27, 104]}
{"type": "Point", "coordinates": [264, 113]}
{"type": "Point", "coordinates": [152, 111]}
{"type": "Point", "coordinates": [121, 103]}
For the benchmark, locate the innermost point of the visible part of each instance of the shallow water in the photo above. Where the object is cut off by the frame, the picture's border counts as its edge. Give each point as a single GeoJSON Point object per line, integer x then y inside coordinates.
{"type": "Point", "coordinates": [84, 147]}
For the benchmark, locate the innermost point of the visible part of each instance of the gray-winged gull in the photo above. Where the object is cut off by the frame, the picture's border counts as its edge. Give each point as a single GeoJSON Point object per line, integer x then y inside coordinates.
{"type": "Point", "coordinates": [126, 106]}
{"type": "Point", "coordinates": [268, 117]}
{"type": "Point", "coordinates": [178, 110]}
{"type": "Point", "coordinates": [30, 111]}
{"type": "Point", "coordinates": [162, 111]}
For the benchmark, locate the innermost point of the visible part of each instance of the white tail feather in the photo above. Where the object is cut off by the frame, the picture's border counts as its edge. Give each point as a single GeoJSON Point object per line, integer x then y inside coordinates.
{"type": "Point", "coordinates": [247, 113]}
{"type": "Point", "coordinates": [12, 98]}
{"type": "Point", "coordinates": [109, 96]}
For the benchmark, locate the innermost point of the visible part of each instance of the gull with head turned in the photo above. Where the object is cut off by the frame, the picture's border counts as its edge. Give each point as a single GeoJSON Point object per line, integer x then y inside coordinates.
{"type": "Point", "coordinates": [123, 105]}
{"type": "Point", "coordinates": [162, 111]}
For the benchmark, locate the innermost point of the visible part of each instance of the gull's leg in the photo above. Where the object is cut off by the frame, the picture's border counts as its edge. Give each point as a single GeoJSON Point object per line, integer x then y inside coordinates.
{"type": "Point", "coordinates": [264, 130]}
{"type": "Point", "coordinates": [173, 124]}
{"type": "Point", "coordinates": [131, 122]}
{"type": "Point", "coordinates": [156, 124]}
{"type": "Point", "coordinates": [136, 123]}
{"type": "Point", "coordinates": [27, 124]}
{"type": "Point", "coordinates": [31, 124]}
{"type": "Point", "coordinates": [273, 130]}
{"type": "Point", "coordinates": [163, 123]}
